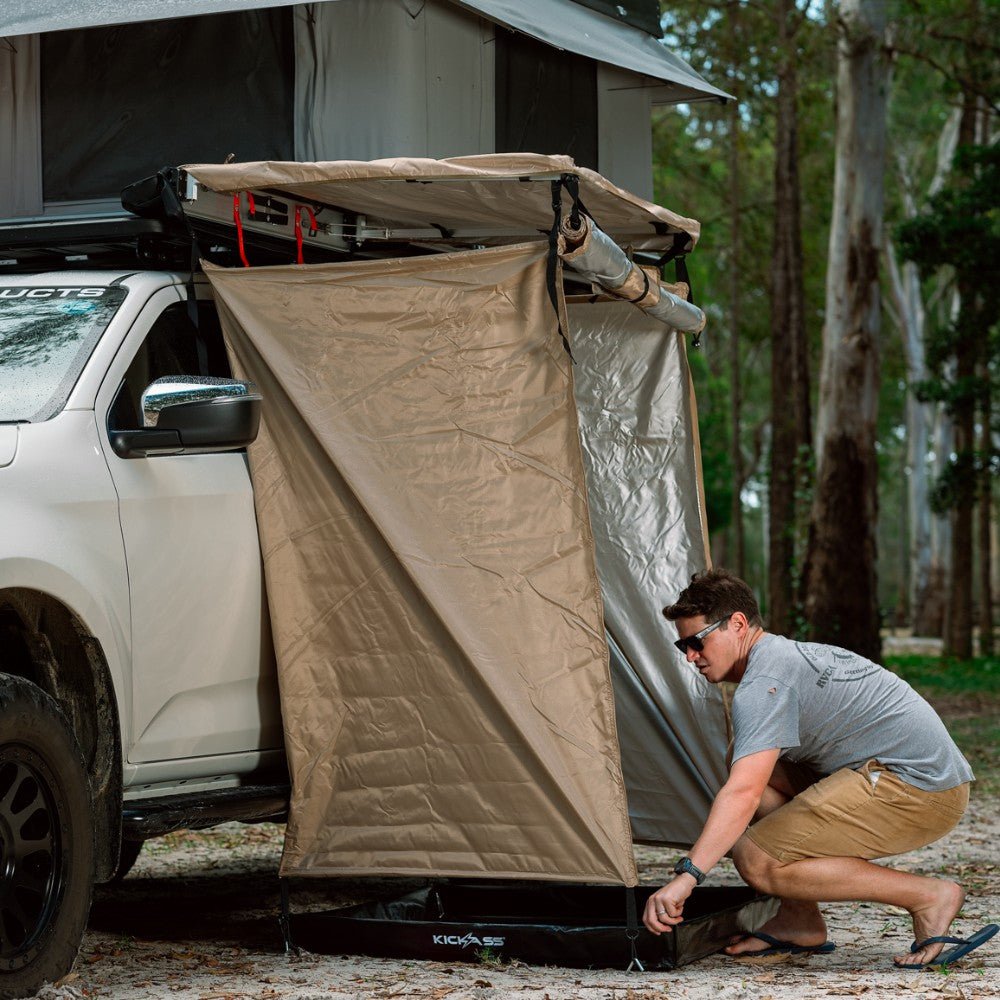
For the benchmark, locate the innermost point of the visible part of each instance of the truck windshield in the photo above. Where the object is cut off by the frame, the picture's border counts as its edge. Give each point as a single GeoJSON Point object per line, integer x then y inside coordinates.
{"type": "Point", "coordinates": [46, 336]}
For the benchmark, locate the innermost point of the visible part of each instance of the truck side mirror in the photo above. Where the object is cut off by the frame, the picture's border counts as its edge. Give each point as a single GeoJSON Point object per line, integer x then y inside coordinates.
{"type": "Point", "coordinates": [189, 415]}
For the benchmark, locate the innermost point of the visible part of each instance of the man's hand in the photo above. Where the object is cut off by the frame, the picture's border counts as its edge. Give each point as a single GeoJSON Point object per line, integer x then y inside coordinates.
{"type": "Point", "coordinates": [664, 908]}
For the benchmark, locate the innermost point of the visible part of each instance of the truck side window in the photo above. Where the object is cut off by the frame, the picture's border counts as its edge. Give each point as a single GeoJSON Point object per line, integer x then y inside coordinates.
{"type": "Point", "coordinates": [170, 348]}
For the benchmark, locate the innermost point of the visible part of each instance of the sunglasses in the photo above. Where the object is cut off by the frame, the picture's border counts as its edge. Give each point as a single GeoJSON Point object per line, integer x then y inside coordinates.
{"type": "Point", "coordinates": [696, 641]}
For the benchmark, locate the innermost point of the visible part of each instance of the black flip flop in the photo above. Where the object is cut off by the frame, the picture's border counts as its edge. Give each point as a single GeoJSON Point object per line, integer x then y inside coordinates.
{"type": "Point", "coordinates": [962, 948]}
{"type": "Point", "coordinates": [779, 947]}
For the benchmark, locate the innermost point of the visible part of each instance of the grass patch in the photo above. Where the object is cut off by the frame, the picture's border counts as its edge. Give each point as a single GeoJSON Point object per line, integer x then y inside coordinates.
{"type": "Point", "coordinates": [966, 694]}
{"type": "Point", "coordinates": [939, 675]}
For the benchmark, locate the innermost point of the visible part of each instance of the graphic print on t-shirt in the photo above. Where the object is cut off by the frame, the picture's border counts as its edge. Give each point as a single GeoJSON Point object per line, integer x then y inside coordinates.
{"type": "Point", "coordinates": [837, 665]}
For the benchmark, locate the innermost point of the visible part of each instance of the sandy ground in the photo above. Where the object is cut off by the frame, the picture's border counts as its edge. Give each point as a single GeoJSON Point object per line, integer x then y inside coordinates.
{"type": "Point", "coordinates": [196, 920]}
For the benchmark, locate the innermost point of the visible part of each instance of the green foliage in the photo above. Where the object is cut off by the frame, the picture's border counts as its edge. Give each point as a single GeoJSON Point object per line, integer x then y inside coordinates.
{"type": "Point", "coordinates": [959, 233]}
{"type": "Point", "coordinates": [942, 47]}
{"type": "Point", "coordinates": [736, 46]}
{"type": "Point", "coordinates": [958, 39]}
{"type": "Point", "coordinates": [488, 957]}
{"type": "Point", "coordinates": [956, 485]}
{"type": "Point", "coordinates": [961, 226]}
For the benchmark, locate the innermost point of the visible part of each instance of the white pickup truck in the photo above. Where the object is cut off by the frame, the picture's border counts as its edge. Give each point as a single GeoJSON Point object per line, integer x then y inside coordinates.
{"type": "Point", "coordinates": [137, 684]}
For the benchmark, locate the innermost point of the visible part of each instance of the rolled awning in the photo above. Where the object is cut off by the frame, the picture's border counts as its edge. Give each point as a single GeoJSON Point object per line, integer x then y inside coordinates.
{"type": "Point", "coordinates": [563, 24]}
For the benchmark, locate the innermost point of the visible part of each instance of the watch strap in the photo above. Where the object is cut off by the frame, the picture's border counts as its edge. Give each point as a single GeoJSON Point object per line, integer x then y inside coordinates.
{"type": "Point", "coordinates": [687, 866]}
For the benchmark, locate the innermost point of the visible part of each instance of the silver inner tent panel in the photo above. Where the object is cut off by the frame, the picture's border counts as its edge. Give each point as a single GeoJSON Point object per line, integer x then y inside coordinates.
{"type": "Point", "coordinates": [638, 429]}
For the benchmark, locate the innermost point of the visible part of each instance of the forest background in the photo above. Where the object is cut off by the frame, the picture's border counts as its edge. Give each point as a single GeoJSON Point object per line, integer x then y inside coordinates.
{"type": "Point", "coordinates": [850, 266]}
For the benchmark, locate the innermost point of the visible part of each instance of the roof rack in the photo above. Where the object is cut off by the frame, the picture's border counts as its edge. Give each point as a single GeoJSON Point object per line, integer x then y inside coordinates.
{"type": "Point", "coordinates": [76, 242]}
{"type": "Point", "coordinates": [126, 241]}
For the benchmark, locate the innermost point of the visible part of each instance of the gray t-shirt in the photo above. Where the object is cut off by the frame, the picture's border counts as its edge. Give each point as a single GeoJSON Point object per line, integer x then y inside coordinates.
{"type": "Point", "coordinates": [828, 708]}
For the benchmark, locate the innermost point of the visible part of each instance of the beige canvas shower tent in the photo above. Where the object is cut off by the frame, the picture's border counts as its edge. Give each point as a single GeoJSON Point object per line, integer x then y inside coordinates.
{"type": "Point", "coordinates": [468, 531]}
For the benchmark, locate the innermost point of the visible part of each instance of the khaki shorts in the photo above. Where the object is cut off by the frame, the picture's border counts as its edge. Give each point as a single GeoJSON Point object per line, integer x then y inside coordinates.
{"type": "Point", "coordinates": [869, 813]}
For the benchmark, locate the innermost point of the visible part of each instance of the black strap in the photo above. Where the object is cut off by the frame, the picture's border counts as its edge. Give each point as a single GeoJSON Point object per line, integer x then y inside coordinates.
{"type": "Point", "coordinates": [645, 288]}
{"type": "Point", "coordinates": [681, 274]}
{"type": "Point", "coordinates": [678, 249]}
{"type": "Point", "coordinates": [678, 253]}
{"type": "Point", "coordinates": [632, 930]}
{"type": "Point", "coordinates": [572, 184]}
{"type": "Point", "coordinates": [552, 265]}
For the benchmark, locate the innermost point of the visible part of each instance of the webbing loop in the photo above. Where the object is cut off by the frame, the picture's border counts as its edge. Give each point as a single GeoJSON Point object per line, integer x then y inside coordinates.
{"type": "Point", "coordinates": [632, 930]}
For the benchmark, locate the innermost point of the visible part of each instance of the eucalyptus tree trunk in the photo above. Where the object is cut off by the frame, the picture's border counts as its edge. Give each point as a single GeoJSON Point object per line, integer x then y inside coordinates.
{"type": "Point", "coordinates": [985, 525]}
{"type": "Point", "coordinates": [905, 285]}
{"type": "Point", "coordinates": [958, 621]}
{"type": "Point", "coordinates": [841, 595]}
{"type": "Point", "coordinates": [738, 562]}
{"type": "Point", "coordinates": [936, 607]}
{"type": "Point", "coordinates": [790, 412]}
{"type": "Point", "coordinates": [925, 571]}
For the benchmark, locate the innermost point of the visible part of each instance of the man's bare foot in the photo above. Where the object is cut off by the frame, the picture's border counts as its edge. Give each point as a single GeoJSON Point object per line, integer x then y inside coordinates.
{"type": "Point", "coordinates": [933, 920]}
{"type": "Point", "coordinates": [797, 922]}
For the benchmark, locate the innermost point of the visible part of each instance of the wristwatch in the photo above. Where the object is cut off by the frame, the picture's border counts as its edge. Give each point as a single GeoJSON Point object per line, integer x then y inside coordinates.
{"type": "Point", "coordinates": [687, 866]}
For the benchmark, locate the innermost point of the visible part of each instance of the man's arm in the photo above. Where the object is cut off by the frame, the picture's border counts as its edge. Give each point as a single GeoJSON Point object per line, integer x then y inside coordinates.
{"type": "Point", "coordinates": [731, 813]}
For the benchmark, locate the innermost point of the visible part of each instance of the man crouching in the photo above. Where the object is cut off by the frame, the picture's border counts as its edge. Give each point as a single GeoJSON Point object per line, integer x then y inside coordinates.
{"type": "Point", "coordinates": [836, 761]}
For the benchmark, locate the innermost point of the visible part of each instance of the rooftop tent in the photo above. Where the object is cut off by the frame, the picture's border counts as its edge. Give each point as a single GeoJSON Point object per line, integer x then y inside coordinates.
{"type": "Point", "coordinates": [334, 78]}
{"type": "Point", "coordinates": [623, 37]}
{"type": "Point", "coordinates": [467, 537]}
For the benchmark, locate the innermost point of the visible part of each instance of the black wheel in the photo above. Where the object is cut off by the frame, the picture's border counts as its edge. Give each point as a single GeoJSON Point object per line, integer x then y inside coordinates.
{"type": "Point", "coordinates": [46, 840]}
{"type": "Point", "coordinates": [127, 857]}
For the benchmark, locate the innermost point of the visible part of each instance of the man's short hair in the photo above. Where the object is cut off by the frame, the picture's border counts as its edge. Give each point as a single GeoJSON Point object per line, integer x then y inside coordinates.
{"type": "Point", "coordinates": [715, 594]}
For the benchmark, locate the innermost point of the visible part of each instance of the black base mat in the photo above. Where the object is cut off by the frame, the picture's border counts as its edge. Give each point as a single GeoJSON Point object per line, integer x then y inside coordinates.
{"type": "Point", "coordinates": [580, 926]}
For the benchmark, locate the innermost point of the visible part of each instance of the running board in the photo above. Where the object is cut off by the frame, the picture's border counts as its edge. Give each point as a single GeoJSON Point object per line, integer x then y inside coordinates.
{"type": "Point", "coordinates": [252, 804]}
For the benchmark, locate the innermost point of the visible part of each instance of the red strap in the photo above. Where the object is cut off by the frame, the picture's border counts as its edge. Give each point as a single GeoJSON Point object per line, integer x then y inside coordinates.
{"type": "Point", "coordinates": [239, 230]}
{"type": "Point", "coordinates": [251, 205]}
{"type": "Point", "coordinates": [298, 228]}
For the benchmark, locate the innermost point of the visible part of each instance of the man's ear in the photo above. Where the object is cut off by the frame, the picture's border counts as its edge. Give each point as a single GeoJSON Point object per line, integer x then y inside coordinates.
{"type": "Point", "coordinates": [739, 620]}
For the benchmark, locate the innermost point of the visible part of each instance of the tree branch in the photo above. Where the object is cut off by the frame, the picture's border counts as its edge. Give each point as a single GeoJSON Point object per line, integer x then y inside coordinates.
{"type": "Point", "coordinates": [968, 85]}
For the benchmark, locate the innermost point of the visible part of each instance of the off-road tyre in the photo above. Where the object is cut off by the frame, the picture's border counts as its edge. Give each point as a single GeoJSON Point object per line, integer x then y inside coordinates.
{"type": "Point", "coordinates": [46, 840]}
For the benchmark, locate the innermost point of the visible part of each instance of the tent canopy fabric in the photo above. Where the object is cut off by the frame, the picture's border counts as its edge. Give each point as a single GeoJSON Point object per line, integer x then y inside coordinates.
{"type": "Point", "coordinates": [429, 559]}
{"type": "Point", "coordinates": [560, 23]}
{"type": "Point", "coordinates": [471, 196]}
